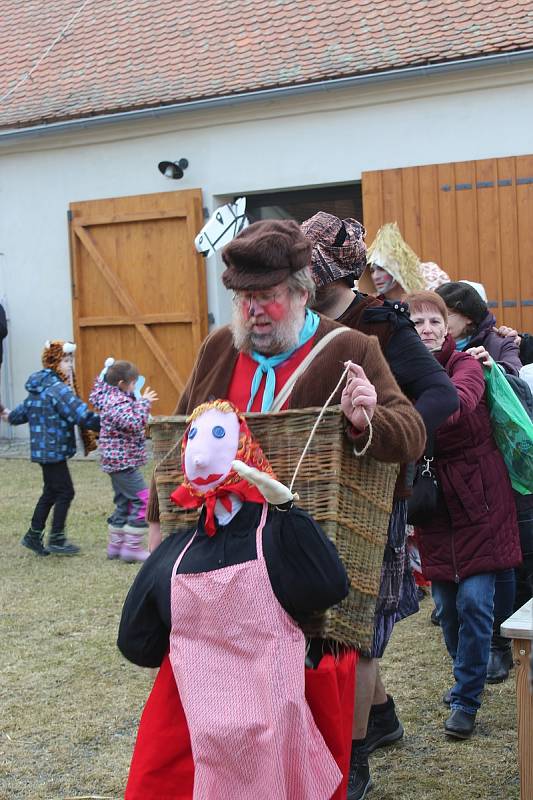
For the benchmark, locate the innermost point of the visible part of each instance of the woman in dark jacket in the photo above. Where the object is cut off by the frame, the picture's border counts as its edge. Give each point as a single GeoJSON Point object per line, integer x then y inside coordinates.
{"type": "Point", "coordinates": [474, 533]}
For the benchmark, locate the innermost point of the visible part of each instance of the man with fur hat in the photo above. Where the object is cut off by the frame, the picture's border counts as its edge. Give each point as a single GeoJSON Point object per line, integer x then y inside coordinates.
{"type": "Point", "coordinates": [338, 259]}
{"type": "Point", "coordinates": [251, 360]}
{"type": "Point", "coordinates": [53, 409]}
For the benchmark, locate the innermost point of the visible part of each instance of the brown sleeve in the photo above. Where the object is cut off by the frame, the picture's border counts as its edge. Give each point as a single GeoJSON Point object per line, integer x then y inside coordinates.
{"type": "Point", "coordinates": [399, 434]}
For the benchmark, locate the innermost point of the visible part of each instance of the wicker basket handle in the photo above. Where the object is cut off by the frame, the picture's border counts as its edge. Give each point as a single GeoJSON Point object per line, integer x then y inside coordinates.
{"type": "Point", "coordinates": [286, 390]}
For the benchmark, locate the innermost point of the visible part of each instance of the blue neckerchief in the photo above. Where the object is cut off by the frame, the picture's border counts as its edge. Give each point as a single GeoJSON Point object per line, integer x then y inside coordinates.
{"type": "Point", "coordinates": [267, 364]}
{"type": "Point", "coordinates": [460, 344]}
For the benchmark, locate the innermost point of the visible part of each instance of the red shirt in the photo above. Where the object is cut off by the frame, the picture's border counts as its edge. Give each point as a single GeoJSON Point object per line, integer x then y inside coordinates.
{"type": "Point", "coordinates": [244, 371]}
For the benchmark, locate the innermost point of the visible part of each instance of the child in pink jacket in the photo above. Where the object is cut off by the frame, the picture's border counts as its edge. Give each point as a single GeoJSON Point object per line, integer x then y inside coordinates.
{"type": "Point", "coordinates": [122, 447]}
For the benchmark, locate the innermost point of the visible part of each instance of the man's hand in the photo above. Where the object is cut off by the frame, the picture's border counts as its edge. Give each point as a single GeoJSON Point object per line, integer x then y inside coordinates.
{"type": "Point", "coordinates": [480, 354]}
{"type": "Point", "coordinates": [150, 395]}
{"type": "Point", "coordinates": [504, 330]}
{"type": "Point", "coordinates": [358, 394]}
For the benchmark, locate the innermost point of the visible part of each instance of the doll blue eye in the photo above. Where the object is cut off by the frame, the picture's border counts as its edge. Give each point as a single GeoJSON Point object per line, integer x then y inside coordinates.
{"type": "Point", "coordinates": [218, 432]}
{"type": "Point", "coordinates": [192, 433]}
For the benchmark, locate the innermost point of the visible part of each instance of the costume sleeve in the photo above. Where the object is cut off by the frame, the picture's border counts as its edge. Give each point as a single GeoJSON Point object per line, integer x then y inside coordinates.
{"type": "Point", "coordinates": [468, 379]}
{"type": "Point", "coordinates": [72, 408]}
{"type": "Point", "coordinates": [421, 378]}
{"type": "Point", "coordinates": [526, 348]}
{"type": "Point", "coordinates": [143, 631]}
{"type": "Point", "coordinates": [128, 416]}
{"type": "Point", "coordinates": [509, 356]}
{"type": "Point", "coordinates": [304, 567]}
{"type": "Point", "coordinates": [19, 415]}
{"type": "Point", "coordinates": [399, 434]}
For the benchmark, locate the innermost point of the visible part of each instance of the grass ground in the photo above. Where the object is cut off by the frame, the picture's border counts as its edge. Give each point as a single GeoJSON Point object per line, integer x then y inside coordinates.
{"type": "Point", "coordinates": [70, 704]}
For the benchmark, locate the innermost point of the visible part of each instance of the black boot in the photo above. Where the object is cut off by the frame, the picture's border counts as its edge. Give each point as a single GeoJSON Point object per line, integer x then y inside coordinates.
{"type": "Point", "coordinates": [33, 540]}
{"type": "Point", "coordinates": [500, 659]}
{"type": "Point", "coordinates": [359, 782]}
{"type": "Point", "coordinates": [384, 727]}
{"type": "Point", "coordinates": [59, 544]}
{"type": "Point", "coordinates": [459, 724]}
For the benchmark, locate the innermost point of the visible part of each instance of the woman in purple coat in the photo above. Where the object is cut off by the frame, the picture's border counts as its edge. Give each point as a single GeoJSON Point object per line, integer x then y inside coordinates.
{"type": "Point", "coordinates": [474, 533]}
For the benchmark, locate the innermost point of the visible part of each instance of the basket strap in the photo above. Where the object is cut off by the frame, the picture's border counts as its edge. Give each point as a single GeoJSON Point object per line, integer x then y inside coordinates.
{"type": "Point", "coordinates": [286, 390]}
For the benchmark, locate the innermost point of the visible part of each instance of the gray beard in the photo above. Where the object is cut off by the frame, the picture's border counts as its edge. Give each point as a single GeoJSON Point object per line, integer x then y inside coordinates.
{"type": "Point", "coordinates": [285, 334]}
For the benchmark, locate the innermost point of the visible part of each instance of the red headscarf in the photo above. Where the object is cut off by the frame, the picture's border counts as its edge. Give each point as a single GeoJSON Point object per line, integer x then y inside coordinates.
{"type": "Point", "coordinates": [249, 451]}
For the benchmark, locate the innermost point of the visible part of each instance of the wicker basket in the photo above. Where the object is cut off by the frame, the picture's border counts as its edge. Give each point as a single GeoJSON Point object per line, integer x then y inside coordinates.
{"type": "Point", "coordinates": [350, 497]}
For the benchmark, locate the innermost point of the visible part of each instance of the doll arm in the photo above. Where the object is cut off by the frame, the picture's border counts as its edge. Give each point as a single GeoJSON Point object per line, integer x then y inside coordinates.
{"type": "Point", "coordinates": [274, 492]}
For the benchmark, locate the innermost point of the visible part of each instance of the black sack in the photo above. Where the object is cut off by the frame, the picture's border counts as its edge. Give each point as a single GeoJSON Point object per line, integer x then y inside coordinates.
{"type": "Point", "coordinates": [425, 499]}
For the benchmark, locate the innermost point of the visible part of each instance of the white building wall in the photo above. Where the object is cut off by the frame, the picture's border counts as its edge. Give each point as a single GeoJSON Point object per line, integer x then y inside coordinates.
{"type": "Point", "coordinates": [300, 141]}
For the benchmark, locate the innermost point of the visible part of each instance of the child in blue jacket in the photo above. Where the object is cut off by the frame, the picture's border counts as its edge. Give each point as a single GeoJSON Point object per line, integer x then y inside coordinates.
{"type": "Point", "coordinates": [52, 409]}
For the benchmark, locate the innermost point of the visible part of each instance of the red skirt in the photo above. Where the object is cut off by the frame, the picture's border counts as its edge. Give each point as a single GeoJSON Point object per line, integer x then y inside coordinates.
{"type": "Point", "coordinates": [162, 767]}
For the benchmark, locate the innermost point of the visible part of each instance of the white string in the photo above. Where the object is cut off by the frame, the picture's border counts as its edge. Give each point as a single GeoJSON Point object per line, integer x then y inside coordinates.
{"type": "Point", "coordinates": [315, 426]}
{"type": "Point", "coordinates": [46, 52]}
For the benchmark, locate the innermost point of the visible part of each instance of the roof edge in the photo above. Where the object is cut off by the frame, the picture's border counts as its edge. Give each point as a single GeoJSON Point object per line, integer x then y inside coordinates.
{"type": "Point", "coordinates": [425, 70]}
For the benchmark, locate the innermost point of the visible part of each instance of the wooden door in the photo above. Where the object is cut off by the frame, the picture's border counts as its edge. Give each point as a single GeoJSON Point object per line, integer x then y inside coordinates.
{"type": "Point", "coordinates": [473, 218]}
{"type": "Point", "coordinates": [138, 288]}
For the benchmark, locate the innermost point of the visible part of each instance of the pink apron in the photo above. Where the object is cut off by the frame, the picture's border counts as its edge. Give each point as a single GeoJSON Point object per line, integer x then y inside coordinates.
{"type": "Point", "coordinates": [238, 661]}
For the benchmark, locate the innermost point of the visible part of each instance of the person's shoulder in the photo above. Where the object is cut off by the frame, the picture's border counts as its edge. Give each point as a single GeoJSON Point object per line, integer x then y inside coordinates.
{"type": "Point", "coordinates": [219, 338]}
{"type": "Point", "coordinates": [327, 325]}
{"type": "Point", "coordinates": [465, 362]}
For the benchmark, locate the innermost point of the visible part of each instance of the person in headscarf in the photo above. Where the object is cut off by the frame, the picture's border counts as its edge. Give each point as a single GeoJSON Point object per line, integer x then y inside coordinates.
{"type": "Point", "coordinates": [223, 598]}
{"type": "Point", "coordinates": [338, 258]}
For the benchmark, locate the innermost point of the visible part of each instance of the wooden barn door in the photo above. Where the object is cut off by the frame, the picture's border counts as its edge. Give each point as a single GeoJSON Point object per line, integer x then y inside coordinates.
{"type": "Point", "coordinates": [474, 218]}
{"type": "Point", "coordinates": [138, 288]}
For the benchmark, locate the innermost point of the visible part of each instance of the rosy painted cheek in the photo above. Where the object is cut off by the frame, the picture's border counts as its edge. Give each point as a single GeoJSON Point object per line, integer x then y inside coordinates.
{"type": "Point", "coordinates": [275, 311]}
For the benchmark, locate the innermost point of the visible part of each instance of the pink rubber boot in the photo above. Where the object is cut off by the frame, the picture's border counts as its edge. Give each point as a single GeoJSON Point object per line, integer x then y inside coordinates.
{"type": "Point", "coordinates": [115, 541]}
{"type": "Point", "coordinates": [132, 548]}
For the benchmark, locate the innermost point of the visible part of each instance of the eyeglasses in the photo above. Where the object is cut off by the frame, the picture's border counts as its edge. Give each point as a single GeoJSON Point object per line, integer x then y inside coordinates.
{"type": "Point", "coordinates": [262, 298]}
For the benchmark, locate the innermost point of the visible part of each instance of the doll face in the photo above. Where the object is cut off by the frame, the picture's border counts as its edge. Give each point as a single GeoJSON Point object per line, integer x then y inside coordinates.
{"type": "Point", "coordinates": [212, 444]}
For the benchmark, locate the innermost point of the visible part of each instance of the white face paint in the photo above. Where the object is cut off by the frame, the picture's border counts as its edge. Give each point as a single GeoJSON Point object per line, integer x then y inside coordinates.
{"type": "Point", "coordinates": [383, 281]}
{"type": "Point", "coordinates": [223, 226]}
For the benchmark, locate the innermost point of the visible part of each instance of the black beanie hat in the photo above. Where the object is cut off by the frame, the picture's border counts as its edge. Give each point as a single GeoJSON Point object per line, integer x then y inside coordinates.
{"type": "Point", "coordinates": [463, 298]}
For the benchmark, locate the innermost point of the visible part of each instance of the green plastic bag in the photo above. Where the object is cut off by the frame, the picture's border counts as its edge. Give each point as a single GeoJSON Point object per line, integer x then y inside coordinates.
{"type": "Point", "coordinates": [512, 429]}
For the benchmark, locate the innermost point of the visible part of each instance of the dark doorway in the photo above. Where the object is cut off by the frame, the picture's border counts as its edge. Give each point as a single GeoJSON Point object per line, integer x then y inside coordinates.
{"type": "Point", "coordinates": [300, 204]}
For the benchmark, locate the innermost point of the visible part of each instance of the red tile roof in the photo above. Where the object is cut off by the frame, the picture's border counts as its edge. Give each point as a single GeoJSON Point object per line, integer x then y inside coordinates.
{"type": "Point", "coordinates": [119, 55]}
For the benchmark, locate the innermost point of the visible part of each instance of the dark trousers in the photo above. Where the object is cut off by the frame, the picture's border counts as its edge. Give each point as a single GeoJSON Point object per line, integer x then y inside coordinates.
{"type": "Point", "coordinates": [58, 493]}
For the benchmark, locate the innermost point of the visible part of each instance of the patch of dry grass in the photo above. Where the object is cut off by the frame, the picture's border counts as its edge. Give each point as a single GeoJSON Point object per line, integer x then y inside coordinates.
{"type": "Point", "coordinates": [70, 704]}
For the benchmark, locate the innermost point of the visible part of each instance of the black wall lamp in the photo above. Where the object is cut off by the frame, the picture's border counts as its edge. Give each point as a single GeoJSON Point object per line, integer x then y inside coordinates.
{"type": "Point", "coordinates": [173, 169]}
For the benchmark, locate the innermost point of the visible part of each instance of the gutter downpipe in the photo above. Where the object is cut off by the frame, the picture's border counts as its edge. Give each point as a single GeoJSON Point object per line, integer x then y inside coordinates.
{"type": "Point", "coordinates": [425, 71]}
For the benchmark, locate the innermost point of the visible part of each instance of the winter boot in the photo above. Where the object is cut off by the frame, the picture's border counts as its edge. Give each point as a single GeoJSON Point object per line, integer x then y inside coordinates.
{"type": "Point", "coordinates": [115, 541]}
{"type": "Point", "coordinates": [500, 659]}
{"type": "Point", "coordinates": [384, 727]}
{"type": "Point", "coordinates": [359, 782]}
{"type": "Point", "coordinates": [59, 545]}
{"type": "Point", "coordinates": [132, 548]}
{"type": "Point", "coordinates": [33, 540]}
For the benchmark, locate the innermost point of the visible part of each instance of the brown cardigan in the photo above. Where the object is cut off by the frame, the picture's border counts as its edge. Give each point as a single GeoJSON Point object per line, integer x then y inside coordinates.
{"type": "Point", "coordinates": [399, 433]}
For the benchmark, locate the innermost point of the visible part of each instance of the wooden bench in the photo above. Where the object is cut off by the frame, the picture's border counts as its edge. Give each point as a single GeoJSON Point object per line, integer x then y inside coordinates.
{"type": "Point", "coordinates": [519, 628]}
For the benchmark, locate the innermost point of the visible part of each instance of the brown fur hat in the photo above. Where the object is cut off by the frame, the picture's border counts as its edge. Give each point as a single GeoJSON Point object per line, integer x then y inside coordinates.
{"type": "Point", "coordinates": [53, 352]}
{"type": "Point", "coordinates": [265, 254]}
